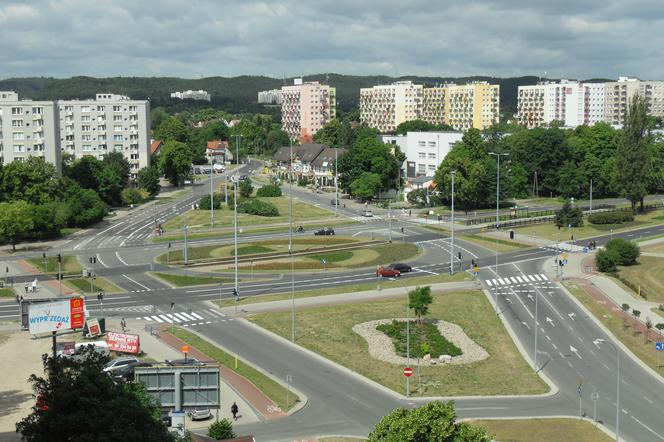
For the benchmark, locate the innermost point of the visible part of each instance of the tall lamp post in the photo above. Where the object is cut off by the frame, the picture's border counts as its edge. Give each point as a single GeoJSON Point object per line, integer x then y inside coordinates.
{"type": "Point", "coordinates": [211, 195]}
{"type": "Point", "coordinates": [604, 341]}
{"type": "Point", "coordinates": [238, 138]}
{"type": "Point", "coordinates": [290, 241]}
{"type": "Point", "coordinates": [497, 155]}
{"type": "Point", "coordinates": [453, 172]}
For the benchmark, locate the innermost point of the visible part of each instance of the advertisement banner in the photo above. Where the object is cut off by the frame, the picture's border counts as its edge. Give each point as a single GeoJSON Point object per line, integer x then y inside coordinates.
{"type": "Point", "coordinates": [93, 327]}
{"type": "Point", "coordinates": [122, 342]}
{"type": "Point", "coordinates": [58, 315]}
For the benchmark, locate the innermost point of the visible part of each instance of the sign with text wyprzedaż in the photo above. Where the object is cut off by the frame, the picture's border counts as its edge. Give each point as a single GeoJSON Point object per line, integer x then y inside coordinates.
{"type": "Point", "coordinates": [122, 342]}
{"type": "Point", "coordinates": [58, 315]}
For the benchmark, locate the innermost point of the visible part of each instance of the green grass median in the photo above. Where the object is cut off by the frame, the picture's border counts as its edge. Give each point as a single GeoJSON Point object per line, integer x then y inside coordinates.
{"type": "Point", "coordinates": [189, 280]}
{"type": "Point", "coordinates": [70, 265]}
{"type": "Point", "coordinates": [542, 430]}
{"type": "Point", "coordinates": [98, 285]}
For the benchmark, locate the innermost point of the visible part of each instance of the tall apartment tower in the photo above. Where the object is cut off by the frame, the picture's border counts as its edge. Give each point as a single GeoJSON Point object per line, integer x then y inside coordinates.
{"type": "Point", "coordinates": [434, 102]}
{"type": "Point", "coordinates": [472, 105]}
{"type": "Point", "coordinates": [384, 107]}
{"type": "Point", "coordinates": [306, 107]}
{"type": "Point", "coordinates": [28, 128]}
{"type": "Point", "coordinates": [106, 124]}
{"type": "Point", "coordinates": [619, 94]}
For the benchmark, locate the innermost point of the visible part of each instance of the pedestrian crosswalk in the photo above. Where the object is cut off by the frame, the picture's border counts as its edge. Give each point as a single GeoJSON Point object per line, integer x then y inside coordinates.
{"type": "Point", "coordinates": [364, 219]}
{"type": "Point", "coordinates": [186, 319]}
{"type": "Point", "coordinates": [512, 280]}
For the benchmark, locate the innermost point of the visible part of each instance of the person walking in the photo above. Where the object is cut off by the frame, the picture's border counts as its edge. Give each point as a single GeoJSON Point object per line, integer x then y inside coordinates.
{"type": "Point", "coordinates": [123, 324]}
{"type": "Point", "coordinates": [234, 410]}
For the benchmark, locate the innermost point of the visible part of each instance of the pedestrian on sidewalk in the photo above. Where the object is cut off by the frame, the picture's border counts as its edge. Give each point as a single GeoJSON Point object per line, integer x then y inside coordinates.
{"type": "Point", "coordinates": [26, 288]}
{"type": "Point", "coordinates": [234, 410]}
{"type": "Point", "coordinates": [123, 324]}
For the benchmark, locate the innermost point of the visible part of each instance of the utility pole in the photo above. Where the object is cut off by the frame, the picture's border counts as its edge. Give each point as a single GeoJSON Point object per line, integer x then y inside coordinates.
{"type": "Point", "coordinates": [453, 172]}
{"type": "Point", "coordinates": [497, 155]}
{"type": "Point", "coordinates": [590, 209]}
{"type": "Point", "coordinates": [535, 352]}
{"type": "Point", "coordinates": [237, 183]}
{"type": "Point", "coordinates": [185, 228]}
{"type": "Point", "coordinates": [59, 277]}
{"type": "Point", "coordinates": [211, 196]}
{"type": "Point", "coordinates": [389, 214]}
{"type": "Point", "coordinates": [407, 343]}
{"type": "Point", "coordinates": [336, 183]}
{"type": "Point", "coordinates": [290, 241]}
{"type": "Point", "coordinates": [604, 341]}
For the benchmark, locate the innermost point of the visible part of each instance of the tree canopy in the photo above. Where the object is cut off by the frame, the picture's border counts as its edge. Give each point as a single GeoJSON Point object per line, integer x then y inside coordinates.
{"type": "Point", "coordinates": [421, 126]}
{"type": "Point", "coordinates": [175, 162]}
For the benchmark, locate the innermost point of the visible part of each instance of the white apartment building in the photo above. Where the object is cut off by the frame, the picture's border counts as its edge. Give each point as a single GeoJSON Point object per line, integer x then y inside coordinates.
{"type": "Point", "coordinates": [618, 97]}
{"type": "Point", "coordinates": [106, 124]}
{"type": "Point", "coordinates": [305, 108]}
{"type": "Point", "coordinates": [384, 107]}
{"type": "Point", "coordinates": [28, 128]}
{"type": "Point", "coordinates": [192, 95]}
{"type": "Point", "coordinates": [273, 96]}
{"type": "Point", "coordinates": [593, 103]}
{"type": "Point", "coordinates": [424, 150]}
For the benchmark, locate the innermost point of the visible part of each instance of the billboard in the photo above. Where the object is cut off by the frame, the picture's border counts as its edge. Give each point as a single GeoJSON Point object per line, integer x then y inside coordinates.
{"type": "Point", "coordinates": [182, 387]}
{"type": "Point", "coordinates": [58, 315]}
{"type": "Point", "coordinates": [122, 342]}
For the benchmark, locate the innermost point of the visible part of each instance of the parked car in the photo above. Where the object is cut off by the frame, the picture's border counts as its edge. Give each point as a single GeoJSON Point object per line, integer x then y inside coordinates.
{"type": "Point", "coordinates": [199, 415]}
{"type": "Point", "coordinates": [243, 177]}
{"type": "Point", "coordinates": [188, 361]}
{"type": "Point", "coordinates": [335, 202]}
{"type": "Point", "coordinates": [126, 373]}
{"type": "Point", "coordinates": [118, 363]}
{"type": "Point", "coordinates": [387, 272]}
{"type": "Point", "coordinates": [367, 213]}
{"type": "Point", "coordinates": [325, 231]}
{"type": "Point", "coordinates": [401, 267]}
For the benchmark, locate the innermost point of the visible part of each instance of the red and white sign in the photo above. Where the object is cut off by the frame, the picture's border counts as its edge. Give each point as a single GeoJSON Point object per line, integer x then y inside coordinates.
{"type": "Point", "coordinates": [408, 372]}
{"type": "Point", "coordinates": [93, 327]}
{"type": "Point", "coordinates": [46, 317]}
{"type": "Point", "coordinates": [122, 342]}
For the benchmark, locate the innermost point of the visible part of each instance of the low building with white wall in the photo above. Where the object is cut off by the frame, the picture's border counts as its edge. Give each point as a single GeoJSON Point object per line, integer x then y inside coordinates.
{"type": "Point", "coordinates": [424, 150]}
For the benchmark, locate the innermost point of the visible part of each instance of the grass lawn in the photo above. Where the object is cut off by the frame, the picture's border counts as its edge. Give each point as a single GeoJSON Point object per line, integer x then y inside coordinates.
{"type": "Point", "coordinates": [636, 343]}
{"type": "Point", "coordinates": [649, 274]}
{"type": "Point", "coordinates": [542, 430]}
{"type": "Point", "coordinates": [7, 293]}
{"type": "Point", "coordinates": [98, 285]}
{"type": "Point", "coordinates": [197, 219]}
{"type": "Point", "coordinates": [187, 280]}
{"type": "Point", "coordinates": [501, 245]}
{"type": "Point", "coordinates": [422, 280]}
{"type": "Point", "coordinates": [269, 387]}
{"type": "Point", "coordinates": [550, 231]}
{"type": "Point", "coordinates": [70, 265]}
{"type": "Point", "coordinates": [66, 231]}
{"type": "Point", "coordinates": [328, 331]}
{"type": "Point", "coordinates": [655, 248]}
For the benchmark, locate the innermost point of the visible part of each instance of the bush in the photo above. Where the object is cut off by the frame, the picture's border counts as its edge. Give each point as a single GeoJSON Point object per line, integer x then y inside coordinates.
{"type": "Point", "coordinates": [246, 189]}
{"type": "Point", "coordinates": [606, 260]}
{"type": "Point", "coordinates": [569, 216]}
{"type": "Point", "coordinates": [204, 202]}
{"type": "Point", "coordinates": [613, 217]}
{"type": "Point", "coordinates": [131, 196]}
{"type": "Point", "coordinates": [257, 207]}
{"type": "Point", "coordinates": [627, 251]}
{"type": "Point", "coordinates": [428, 333]}
{"type": "Point", "coordinates": [302, 182]}
{"type": "Point", "coordinates": [270, 190]}
{"type": "Point", "coordinates": [221, 430]}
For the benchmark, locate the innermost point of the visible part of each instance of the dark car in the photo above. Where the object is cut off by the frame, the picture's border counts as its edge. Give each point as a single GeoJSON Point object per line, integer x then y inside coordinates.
{"type": "Point", "coordinates": [126, 373]}
{"type": "Point", "coordinates": [166, 418]}
{"type": "Point", "coordinates": [325, 231]}
{"type": "Point", "coordinates": [188, 361]}
{"type": "Point", "coordinates": [335, 202]}
{"type": "Point", "coordinates": [387, 272]}
{"type": "Point", "coordinates": [401, 267]}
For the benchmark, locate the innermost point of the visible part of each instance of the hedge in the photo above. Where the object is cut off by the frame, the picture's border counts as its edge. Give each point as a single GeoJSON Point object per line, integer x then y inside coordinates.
{"type": "Point", "coordinates": [613, 217]}
{"type": "Point", "coordinates": [257, 207]}
{"type": "Point", "coordinates": [269, 190]}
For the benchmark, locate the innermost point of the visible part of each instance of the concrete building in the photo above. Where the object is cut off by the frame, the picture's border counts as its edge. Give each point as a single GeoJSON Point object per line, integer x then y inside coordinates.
{"type": "Point", "coordinates": [384, 107]}
{"type": "Point", "coordinates": [474, 105]}
{"type": "Point", "coordinates": [106, 124]}
{"type": "Point", "coordinates": [619, 94]}
{"type": "Point", "coordinates": [305, 108]}
{"type": "Point", "coordinates": [424, 150]}
{"type": "Point", "coordinates": [434, 105]}
{"type": "Point", "coordinates": [28, 128]}
{"type": "Point", "coordinates": [273, 96]}
{"type": "Point", "coordinates": [192, 95]}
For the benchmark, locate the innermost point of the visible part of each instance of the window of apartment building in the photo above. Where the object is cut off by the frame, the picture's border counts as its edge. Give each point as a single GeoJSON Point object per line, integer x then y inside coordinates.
{"type": "Point", "coordinates": [117, 108]}
{"type": "Point", "coordinates": [69, 108]}
{"type": "Point", "coordinates": [117, 117]}
{"type": "Point", "coordinates": [421, 168]}
{"type": "Point", "coordinates": [432, 144]}
{"type": "Point", "coordinates": [134, 156]}
{"type": "Point", "coordinates": [86, 148]}
{"type": "Point", "coordinates": [117, 128]}
{"type": "Point", "coordinates": [17, 111]}
{"type": "Point", "coordinates": [86, 137]}
{"type": "Point", "coordinates": [101, 128]}
{"type": "Point", "coordinates": [85, 128]}
{"type": "Point", "coordinates": [432, 155]}
{"type": "Point", "coordinates": [133, 127]}
{"type": "Point", "coordinates": [37, 110]}
{"type": "Point", "coordinates": [117, 147]}
{"type": "Point", "coordinates": [101, 108]}
{"type": "Point", "coordinates": [421, 143]}
{"type": "Point", "coordinates": [102, 138]}
{"type": "Point", "coordinates": [18, 136]}
{"type": "Point", "coordinates": [432, 168]}
{"type": "Point", "coordinates": [85, 118]}
{"type": "Point", "coordinates": [17, 123]}
{"type": "Point", "coordinates": [19, 148]}
{"type": "Point", "coordinates": [421, 155]}
{"type": "Point", "coordinates": [118, 138]}
{"type": "Point", "coordinates": [132, 108]}
{"type": "Point", "coordinates": [85, 108]}
{"type": "Point", "coordinates": [38, 148]}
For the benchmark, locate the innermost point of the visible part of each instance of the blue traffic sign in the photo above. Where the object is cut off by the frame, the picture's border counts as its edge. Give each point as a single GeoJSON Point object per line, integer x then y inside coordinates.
{"type": "Point", "coordinates": [659, 346]}
{"type": "Point", "coordinates": [324, 261]}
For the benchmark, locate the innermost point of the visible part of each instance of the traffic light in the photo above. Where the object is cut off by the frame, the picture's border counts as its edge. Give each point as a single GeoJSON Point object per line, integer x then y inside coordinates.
{"type": "Point", "coordinates": [236, 294]}
{"type": "Point", "coordinates": [472, 262]}
{"type": "Point", "coordinates": [460, 256]}
{"type": "Point", "coordinates": [100, 296]}
{"type": "Point", "coordinates": [93, 260]}
{"type": "Point", "coordinates": [44, 255]}
{"type": "Point", "coordinates": [59, 258]}
{"type": "Point", "coordinates": [169, 245]}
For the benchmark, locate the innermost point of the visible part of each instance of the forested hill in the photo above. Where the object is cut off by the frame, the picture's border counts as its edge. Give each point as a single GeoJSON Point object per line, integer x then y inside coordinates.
{"type": "Point", "coordinates": [236, 94]}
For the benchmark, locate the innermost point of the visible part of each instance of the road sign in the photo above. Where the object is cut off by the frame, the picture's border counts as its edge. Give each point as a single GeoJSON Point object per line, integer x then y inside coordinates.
{"type": "Point", "coordinates": [408, 372]}
{"type": "Point", "coordinates": [659, 346]}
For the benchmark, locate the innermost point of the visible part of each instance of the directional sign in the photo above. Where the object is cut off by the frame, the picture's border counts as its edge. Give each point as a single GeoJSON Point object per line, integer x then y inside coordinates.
{"type": "Point", "coordinates": [659, 346]}
{"type": "Point", "coordinates": [408, 372]}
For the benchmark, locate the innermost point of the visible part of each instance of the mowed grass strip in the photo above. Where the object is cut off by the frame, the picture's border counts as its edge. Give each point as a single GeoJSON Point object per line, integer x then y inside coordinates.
{"type": "Point", "coordinates": [98, 285]}
{"type": "Point", "coordinates": [542, 430]}
{"type": "Point", "coordinates": [7, 292]}
{"type": "Point", "coordinates": [622, 329]}
{"type": "Point", "coordinates": [189, 280]}
{"type": "Point", "coordinates": [70, 265]}
{"type": "Point", "coordinates": [269, 387]}
{"type": "Point", "coordinates": [328, 331]}
{"type": "Point", "coordinates": [493, 244]}
{"type": "Point", "coordinates": [384, 283]}
{"type": "Point", "coordinates": [649, 274]}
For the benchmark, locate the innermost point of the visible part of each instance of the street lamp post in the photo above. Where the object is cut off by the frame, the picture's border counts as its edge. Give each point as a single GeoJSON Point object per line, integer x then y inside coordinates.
{"type": "Point", "coordinates": [186, 229]}
{"type": "Point", "coordinates": [211, 196]}
{"type": "Point", "coordinates": [290, 242]}
{"type": "Point", "coordinates": [237, 183]}
{"type": "Point", "coordinates": [497, 155]}
{"type": "Point", "coordinates": [336, 183]}
{"type": "Point", "coordinates": [604, 341]}
{"type": "Point", "coordinates": [453, 172]}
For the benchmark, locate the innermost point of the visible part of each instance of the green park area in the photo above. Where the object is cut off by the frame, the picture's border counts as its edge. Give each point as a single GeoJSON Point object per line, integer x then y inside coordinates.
{"type": "Point", "coordinates": [542, 430]}
{"type": "Point", "coordinates": [70, 265]}
{"type": "Point", "coordinates": [98, 285]}
{"type": "Point", "coordinates": [328, 332]}
{"type": "Point", "coordinates": [7, 292]}
{"type": "Point", "coordinates": [177, 280]}
{"type": "Point", "coordinates": [648, 275]}
{"type": "Point", "coordinates": [284, 398]}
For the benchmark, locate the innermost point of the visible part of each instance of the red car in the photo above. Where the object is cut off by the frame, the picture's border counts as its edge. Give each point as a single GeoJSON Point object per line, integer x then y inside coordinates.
{"type": "Point", "coordinates": [387, 272]}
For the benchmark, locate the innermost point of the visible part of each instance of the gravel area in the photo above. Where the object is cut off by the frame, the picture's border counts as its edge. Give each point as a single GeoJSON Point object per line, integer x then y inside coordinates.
{"type": "Point", "coordinates": [382, 348]}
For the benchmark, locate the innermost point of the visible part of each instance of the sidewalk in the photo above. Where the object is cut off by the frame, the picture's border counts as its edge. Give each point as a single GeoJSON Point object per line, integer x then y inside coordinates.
{"type": "Point", "coordinates": [533, 240]}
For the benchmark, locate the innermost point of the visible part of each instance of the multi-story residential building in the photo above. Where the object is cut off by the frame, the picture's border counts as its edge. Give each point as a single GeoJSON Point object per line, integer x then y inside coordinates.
{"type": "Point", "coordinates": [273, 96]}
{"type": "Point", "coordinates": [618, 97]}
{"type": "Point", "coordinates": [106, 124]}
{"type": "Point", "coordinates": [593, 103]}
{"type": "Point", "coordinates": [531, 106]}
{"type": "Point", "coordinates": [28, 128]}
{"type": "Point", "coordinates": [384, 107]}
{"type": "Point", "coordinates": [192, 95]}
{"type": "Point", "coordinates": [306, 107]}
{"type": "Point", "coordinates": [424, 150]}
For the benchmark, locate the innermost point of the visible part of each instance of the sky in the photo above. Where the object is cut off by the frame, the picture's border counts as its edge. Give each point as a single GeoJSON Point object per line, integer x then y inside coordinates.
{"type": "Point", "coordinates": [579, 39]}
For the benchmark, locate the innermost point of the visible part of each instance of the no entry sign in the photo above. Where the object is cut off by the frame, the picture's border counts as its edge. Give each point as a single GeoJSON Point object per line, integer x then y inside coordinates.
{"type": "Point", "coordinates": [408, 372]}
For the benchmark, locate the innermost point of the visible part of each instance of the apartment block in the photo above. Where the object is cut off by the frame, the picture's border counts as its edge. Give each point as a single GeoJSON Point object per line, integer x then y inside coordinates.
{"type": "Point", "coordinates": [384, 107]}
{"type": "Point", "coordinates": [192, 95]}
{"type": "Point", "coordinates": [434, 105]}
{"type": "Point", "coordinates": [474, 105]}
{"type": "Point", "coordinates": [305, 108]}
{"type": "Point", "coordinates": [106, 124]}
{"type": "Point", "coordinates": [618, 97]}
{"type": "Point", "coordinates": [28, 128]}
{"type": "Point", "coordinates": [424, 150]}
{"type": "Point", "coordinates": [273, 96]}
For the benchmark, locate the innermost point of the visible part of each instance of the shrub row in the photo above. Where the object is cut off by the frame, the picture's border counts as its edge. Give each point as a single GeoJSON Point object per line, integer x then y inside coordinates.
{"type": "Point", "coordinates": [257, 207]}
{"type": "Point", "coordinates": [612, 217]}
{"type": "Point", "coordinates": [617, 252]}
{"type": "Point", "coordinates": [204, 202]}
{"type": "Point", "coordinates": [423, 333]}
{"type": "Point", "coordinates": [270, 190]}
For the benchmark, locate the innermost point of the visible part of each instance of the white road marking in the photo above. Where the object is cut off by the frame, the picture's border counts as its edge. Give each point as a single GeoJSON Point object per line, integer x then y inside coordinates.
{"type": "Point", "coordinates": [488, 282]}
{"type": "Point", "coordinates": [173, 317]}
{"type": "Point", "coordinates": [425, 271]}
{"type": "Point", "coordinates": [537, 277]}
{"type": "Point", "coordinates": [543, 276]}
{"type": "Point", "coordinates": [100, 261]}
{"type": "Point", "coordinates": [137, 283]}
{"type": "Point", "coordinates": [648, 428]}
{"type": "Point", "coordinates": [121, 260]}
{"type": "Point", "coordinates": [513, 279]}
{"type": "Point", "coordinates": [518, 278]}
{"type": "Point", "coordinates": [188, 316]}
{"type": "Point", "coordinates": [531, 278]}
{"type": "Point", "coordinates": [196, 315]}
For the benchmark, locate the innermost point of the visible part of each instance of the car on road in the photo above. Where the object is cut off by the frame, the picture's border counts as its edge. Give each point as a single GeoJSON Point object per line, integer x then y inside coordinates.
{"type": "Point", "coordinates": [243, 177]}
{"type": "Point", "coordinates": [199, 415]}
{"type": "Point", "coordinates": [188, 361]}
{"type": "Point", "coordinates": [401, 267]}
{"type": "Point", "coordinates": [335, 202]}
{"type": "Point", "coordinates": [326, 231]}
{"type": "Point", "coordinates": [367, 213]}
{"type": "Point", "coordinates": [387, 272]}
{"type": "Point", "coordinates": [118, 363]}
{"type": "Point", "coordinates": [126, 373]}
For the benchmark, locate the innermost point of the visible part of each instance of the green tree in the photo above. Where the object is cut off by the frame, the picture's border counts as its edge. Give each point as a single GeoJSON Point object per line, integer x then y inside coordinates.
{"type": "Point", "coordinates": [246, 188]}
{"type": "Point", "coordinates": [85, 206]}
{"type": "Point", "coordinates": [175, 162]}
{"type": "Point", "coordinates": [148, 179]}
{"type": "Point", "coordinates": [275, 139]}
{"type": "Point", "coordinates": [157, 116]}
{"type": "Point", "coordinates": [221, 430]}
{"type": "Point", "coordinates": [49, 218]}
{"type": "Point", "coordinates": [15, 221]}
{"type": "Point", "coordinates": [33, 180]}
{"type": "Point", "coordinates": [366, 186]}
{"type": "Point", "coordinates": [86, 404]}
{"type": "Point", "coordinates": [110, 186]}
{"type": "Point", "coordinates": [421, 126]}
{"type": "Point", "coordinates": [86, 171]}
{"type": "Point", "coordinates": [370, 155]}
{"type": "Point", "coordinates": [117, 161]}
{"type": "Point", "coordinates": [130, 197]}
{"type": "Point", "coordinates": [419, 300]}
{"type": "Point", "coordinates": [625, 309]}
{"type": "Point", "coordinates": [173, 129]}
{"type": "Point", "coordinates": [648, 327]}
{"type": "Point", "coordinates": [636, 314]}
{"type": "Point", "coordinates": [606, 260]}
{"type": "Point", "coordinates": [568, 216]}
{"type": "Point", "coordinates": [204, 202]}
{"type": "Point", "coordinates": [433, 422]}
{"type": "Point", "coordinates": [633, 153]}
{"type": "Point", "coordinates": [626, 251]}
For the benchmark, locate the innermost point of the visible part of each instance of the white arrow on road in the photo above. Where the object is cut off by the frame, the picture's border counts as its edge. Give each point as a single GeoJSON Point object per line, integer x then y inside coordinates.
{"type": "Point", "coordinates": [509, 300]}
{"type": "Point", "coordinates": [571, 316]}
{"type": "Point", "coordinates": [530, 297]}
{"type": "Point", "coordinates": [526, 324]}
{"type": "Point", "coordinates": [575, 351]}
{"type": "Point", "coordinates": [550, 321]}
